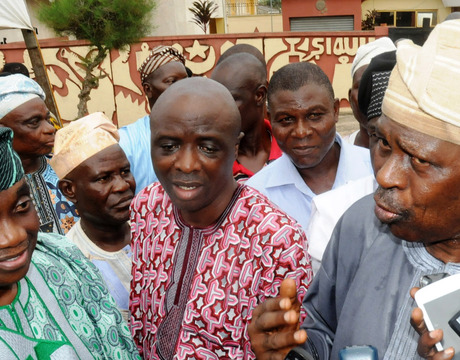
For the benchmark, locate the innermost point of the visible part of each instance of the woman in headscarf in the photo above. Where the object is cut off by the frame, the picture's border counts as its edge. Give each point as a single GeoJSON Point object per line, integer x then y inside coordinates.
{"type": "Point", "coordinates": [23, 109]}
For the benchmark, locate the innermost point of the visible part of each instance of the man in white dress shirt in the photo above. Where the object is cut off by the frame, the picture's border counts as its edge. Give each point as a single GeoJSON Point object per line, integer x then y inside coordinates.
{"type": "Point", "coordinates": [303, 113]}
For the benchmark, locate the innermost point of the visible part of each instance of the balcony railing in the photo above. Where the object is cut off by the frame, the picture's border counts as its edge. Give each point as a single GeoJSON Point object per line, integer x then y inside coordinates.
{"type": "Point", "coordinates": [249, 8]}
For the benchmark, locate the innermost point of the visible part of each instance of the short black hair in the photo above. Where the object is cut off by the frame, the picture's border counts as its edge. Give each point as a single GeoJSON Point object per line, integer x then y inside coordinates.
{"type": "Point", "coordinates": [16, 68]}
{"type": "Point", "coordinates": [243, 48]}
{"type": "Point", "coordinates": [296, 75]}
{"type": "Point", "coordinates": [251, 66]}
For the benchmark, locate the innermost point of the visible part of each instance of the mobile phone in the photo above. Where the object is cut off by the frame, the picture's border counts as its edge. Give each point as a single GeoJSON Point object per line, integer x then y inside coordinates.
{"type": "Point", "coordinates": [298, 353]}
{"type": "Point", "coordinates": [431, 278]}
{"type": "Point", "coordinates": [454, 323]}
{"type": "Point", "coordinates": [364, 352]}
{"type": "Point", "coordinates": [440, 303]}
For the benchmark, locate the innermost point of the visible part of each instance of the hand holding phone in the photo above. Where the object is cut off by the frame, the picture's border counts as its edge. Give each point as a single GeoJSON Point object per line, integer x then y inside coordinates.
{"type": "Point", "coordinates": [440, 304]}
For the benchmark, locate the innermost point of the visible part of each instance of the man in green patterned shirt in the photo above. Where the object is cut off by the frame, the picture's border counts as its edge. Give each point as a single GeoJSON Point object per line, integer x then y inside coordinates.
{"type": "Point", "coordinates": [53, 302]}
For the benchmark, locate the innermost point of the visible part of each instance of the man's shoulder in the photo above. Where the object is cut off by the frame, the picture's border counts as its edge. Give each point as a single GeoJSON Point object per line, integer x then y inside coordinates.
{"type": "Point", "coordinates": [57, 251]}
{"type": "Point", "coordinates": [359, 220]}
{"type": "Point", "coordinates": [261, 209]}
{"type": "Point", "coordinates": [352, 151]}
{"type": "Point", "coordinates": [363, 208]}
{"type": "Point", "coordinates": [269, 175]}
{"type": "Point", "coordinates": [139, 124]}
{"type": "Point", "coordinates": [129, 134]}
{"type": "Point", "coordinates": [152, 195]}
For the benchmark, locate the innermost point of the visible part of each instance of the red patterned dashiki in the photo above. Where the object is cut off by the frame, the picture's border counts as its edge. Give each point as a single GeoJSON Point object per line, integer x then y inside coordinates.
{"type": "Point", "coordinates": [194, 289]}
{"type": "Point", "coordinates": [242, 174]}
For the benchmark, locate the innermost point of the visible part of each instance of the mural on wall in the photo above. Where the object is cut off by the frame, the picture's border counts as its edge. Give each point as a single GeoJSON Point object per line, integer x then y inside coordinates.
{"type": "Point", "coordinates": [120, 95]}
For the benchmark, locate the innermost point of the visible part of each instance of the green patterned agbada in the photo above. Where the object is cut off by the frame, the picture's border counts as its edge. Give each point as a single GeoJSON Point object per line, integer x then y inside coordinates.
{"type": "Point", "coordinates": [63, 310]}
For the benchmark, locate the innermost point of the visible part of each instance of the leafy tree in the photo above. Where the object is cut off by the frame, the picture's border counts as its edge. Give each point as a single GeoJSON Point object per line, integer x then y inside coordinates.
{"type": "Point", "coordinates": [202, 11]}
{"type": "Point", "coordinates": [368, 23]}
{"type": "Point", "coordinates": [106, 24]}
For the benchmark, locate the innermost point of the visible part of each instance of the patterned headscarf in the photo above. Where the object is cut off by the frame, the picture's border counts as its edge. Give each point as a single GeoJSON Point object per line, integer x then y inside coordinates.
{"type": "Point", "coordinates": [423, 89]}
{"type": "Point", "coordinates": [15, 90]}
{"type": "Point", "coordinates": [159, 56]}
{"type": "Point", "coordinates": [11, 170]}
{"type": "Point", "coordinates": [374, 83]}
{"type": "Point", "coordinates": [80, 140]}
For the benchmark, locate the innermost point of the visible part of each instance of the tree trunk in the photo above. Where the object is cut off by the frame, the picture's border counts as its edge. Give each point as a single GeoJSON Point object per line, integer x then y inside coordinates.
{"type": "Point", "coordinates": [90, 81]}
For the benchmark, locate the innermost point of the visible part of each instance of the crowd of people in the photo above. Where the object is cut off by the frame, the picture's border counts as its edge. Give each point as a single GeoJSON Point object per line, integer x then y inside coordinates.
{"type": "Point", "coordinates": [233, 221]}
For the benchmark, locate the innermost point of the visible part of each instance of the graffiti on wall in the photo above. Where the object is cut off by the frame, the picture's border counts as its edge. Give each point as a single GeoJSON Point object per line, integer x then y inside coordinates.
{"type": "Point", "coordinates": [120, 96]}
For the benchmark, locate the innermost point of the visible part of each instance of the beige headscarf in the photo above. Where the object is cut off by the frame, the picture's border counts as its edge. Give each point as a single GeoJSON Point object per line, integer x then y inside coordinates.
{"type": "Point", "coordinates": [423, 90]}
{"type": "Point", "coordinates": [80, 140]}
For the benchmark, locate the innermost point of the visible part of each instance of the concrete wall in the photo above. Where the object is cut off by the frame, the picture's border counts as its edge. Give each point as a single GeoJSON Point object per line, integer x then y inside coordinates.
{"type": "Point", "coordinates": [303, 8]}
{"type": "Point", "coordinates": [120, 94]}
{"type": "Point", "coordinates": [249, 24]}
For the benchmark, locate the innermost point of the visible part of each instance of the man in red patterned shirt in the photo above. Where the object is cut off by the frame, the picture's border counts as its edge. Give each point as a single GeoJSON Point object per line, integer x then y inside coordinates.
{"type": "Point", "coordinates": [206, 249]}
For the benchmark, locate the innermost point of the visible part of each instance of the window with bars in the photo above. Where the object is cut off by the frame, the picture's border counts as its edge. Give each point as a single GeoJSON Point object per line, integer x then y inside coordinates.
{"type": "Point", "coordinates": [406, 18]}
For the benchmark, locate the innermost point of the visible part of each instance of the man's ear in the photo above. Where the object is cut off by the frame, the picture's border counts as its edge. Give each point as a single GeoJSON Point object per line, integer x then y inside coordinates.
{"type": "Point", "coordinates": [237, 145]}
{"type": "Point", "coordinates": [67, 187]}
{"type": "Point", "coordinates": [147, 90]}
{"type": "Point", "coordinates": [336, 109]}
{"type": "Point", "coordinates": [261, 95]}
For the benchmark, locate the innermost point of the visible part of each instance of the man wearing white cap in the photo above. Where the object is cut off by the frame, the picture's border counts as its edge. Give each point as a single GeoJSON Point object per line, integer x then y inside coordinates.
{"type": "Point", "coordinates": [385, 243]}
{"type": "Point", "coordinates": [163, 67]}
{"type": "Point", "coordinates": [363, 57]}
{"type": "Point", "coordinates": [95, 175]}
{"type": "Point", "coordinates": [23, 109]}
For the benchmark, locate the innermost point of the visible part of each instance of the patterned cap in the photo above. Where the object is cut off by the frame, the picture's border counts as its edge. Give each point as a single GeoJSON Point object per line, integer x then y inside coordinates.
{"type": "Point", "coordinates": [368, 51]}
{"type": "Point", "coordinates": [423, 89]}
{"type": "Point", "coordinates": [374, 83]}
{"type": "Point", "coordinates": [11, 170]}
{"type": "Point", "coordinates": [80, 140]}
{"type": "Point", "coordinates": [159, 56]}
{"type": "Point", "coordinates": [15, 90]}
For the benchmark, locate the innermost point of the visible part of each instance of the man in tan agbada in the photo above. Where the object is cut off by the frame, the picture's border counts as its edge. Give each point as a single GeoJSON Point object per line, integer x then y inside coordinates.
{"type": "Point", "coordinates": [95, 175]}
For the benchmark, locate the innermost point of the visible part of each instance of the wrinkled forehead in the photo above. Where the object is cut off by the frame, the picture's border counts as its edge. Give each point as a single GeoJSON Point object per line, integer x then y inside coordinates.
{"type": "Point", "coordinates": [417, 143]}
{"type": "Point", "coordinates": [310, 91]}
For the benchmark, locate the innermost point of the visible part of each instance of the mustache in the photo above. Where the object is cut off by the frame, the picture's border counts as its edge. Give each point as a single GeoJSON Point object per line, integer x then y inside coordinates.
{"type": "Point", "coordinates": [186, 178]}
{"type": "Point", "coordinates": [386, 199]}
{"type": "Point", "coordinates": [9, 253]}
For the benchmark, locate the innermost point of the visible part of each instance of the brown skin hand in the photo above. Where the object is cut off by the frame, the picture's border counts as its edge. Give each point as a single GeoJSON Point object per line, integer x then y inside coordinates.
{"type": "Point", "coordinates": [426, 343]}
{"type": "Point", "coordinates": [274, 328]}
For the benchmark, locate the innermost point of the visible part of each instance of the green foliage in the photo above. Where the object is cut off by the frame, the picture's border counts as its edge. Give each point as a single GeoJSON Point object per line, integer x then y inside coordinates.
{"type": "Point", "coordinates": [106, 24]}
{"type": "Point", "coordinates": [202, 11]}
{"type": "Point", "coordinates": [112, 24]}
{"type": "Point", "coordinates": [369, 20]}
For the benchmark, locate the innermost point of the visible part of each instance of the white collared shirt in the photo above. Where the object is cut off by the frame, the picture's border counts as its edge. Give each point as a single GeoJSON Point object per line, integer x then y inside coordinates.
{"type": "Point", "coordinates": [281, 182]}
